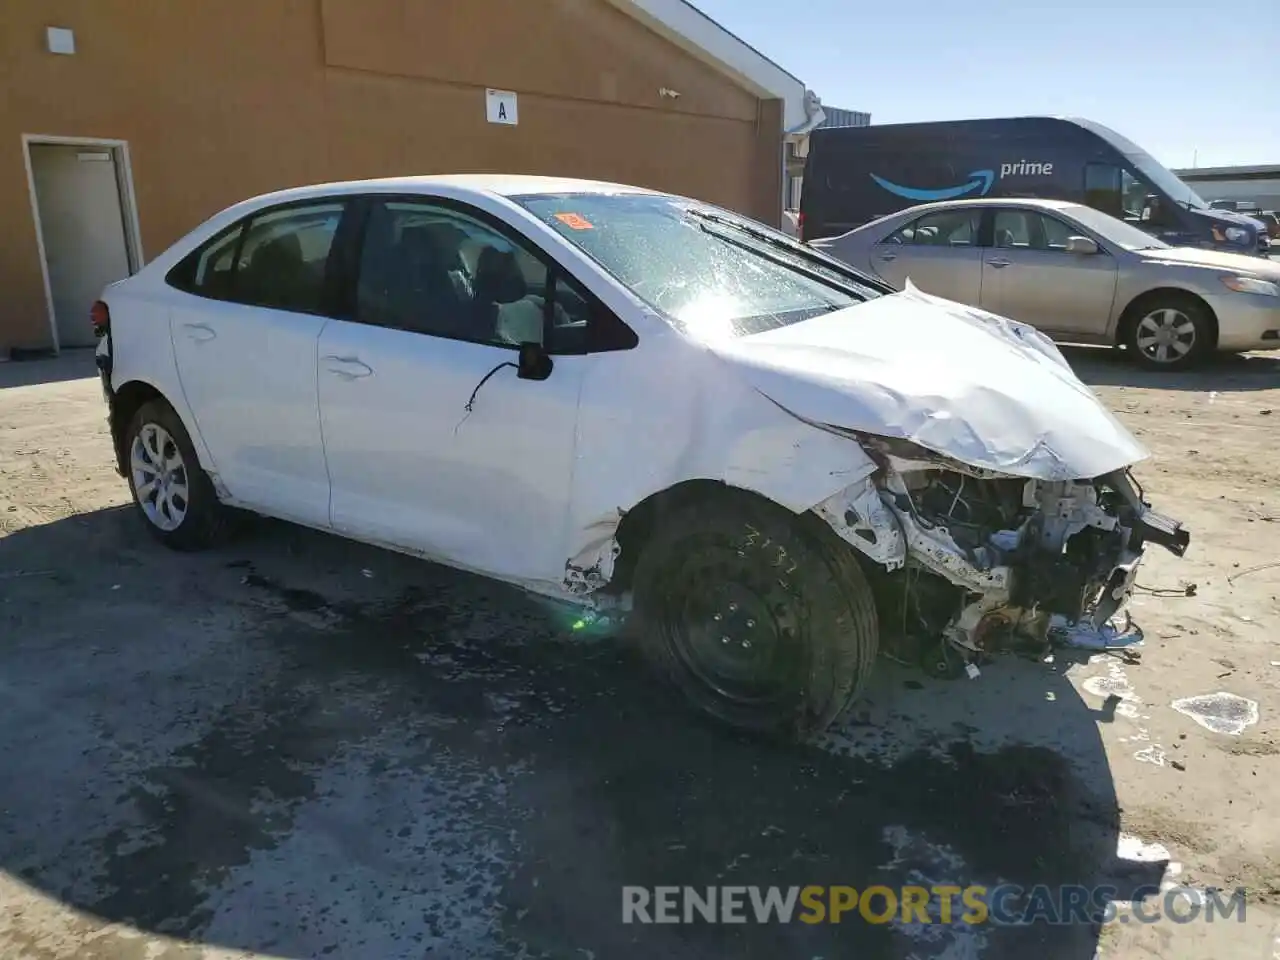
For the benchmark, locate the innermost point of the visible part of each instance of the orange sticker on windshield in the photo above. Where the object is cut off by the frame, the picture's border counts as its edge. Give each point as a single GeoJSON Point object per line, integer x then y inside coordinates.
{"type": "Point", "coordinates": [574, 221]}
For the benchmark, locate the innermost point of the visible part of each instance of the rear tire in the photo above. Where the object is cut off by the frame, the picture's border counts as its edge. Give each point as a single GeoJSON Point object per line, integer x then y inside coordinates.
{"type": "Point", "coordinates": [173, 494]}
{"type": "Point", "coordinates": [1170, 333]}
{"type": "Point", "coordinates": [761, 623]}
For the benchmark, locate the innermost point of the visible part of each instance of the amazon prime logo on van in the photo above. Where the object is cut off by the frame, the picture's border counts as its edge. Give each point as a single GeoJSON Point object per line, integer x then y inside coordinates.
{"type": "Point", "coordinates": [979, 180]}
{"type": "Point", "coordinates": [1026, 168]}
{"type": "Point", "coordinates": [978, 185]}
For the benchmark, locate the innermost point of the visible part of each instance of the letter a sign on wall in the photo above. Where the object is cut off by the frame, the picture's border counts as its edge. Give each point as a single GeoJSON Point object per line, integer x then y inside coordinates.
{"type": "Point", "coordinates": [500, 106]}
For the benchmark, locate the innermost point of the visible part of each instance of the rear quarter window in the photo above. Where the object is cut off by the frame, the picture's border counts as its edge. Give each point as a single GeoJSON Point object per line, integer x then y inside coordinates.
{"type": "Point", "coordinates": [207, 270]}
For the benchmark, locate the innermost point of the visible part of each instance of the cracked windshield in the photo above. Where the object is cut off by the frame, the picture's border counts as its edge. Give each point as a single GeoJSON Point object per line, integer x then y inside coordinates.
{"type": "Point", "coordinates": [713, 274]}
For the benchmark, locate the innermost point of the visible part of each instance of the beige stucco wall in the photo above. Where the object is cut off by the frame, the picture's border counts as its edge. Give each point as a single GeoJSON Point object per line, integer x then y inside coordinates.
{"type": "Point", "coordinates": [223, 99]}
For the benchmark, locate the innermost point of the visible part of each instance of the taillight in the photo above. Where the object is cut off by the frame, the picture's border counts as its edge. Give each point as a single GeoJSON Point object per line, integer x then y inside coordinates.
{"type": "Point", "coordinates": [800, 226]}
{"type": "Point", "coordinates": [100, 317]}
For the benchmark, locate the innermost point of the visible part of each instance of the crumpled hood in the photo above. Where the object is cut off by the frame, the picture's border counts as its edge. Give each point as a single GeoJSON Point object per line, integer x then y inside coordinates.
{"type": "Point", "coordinates": [962, 382]}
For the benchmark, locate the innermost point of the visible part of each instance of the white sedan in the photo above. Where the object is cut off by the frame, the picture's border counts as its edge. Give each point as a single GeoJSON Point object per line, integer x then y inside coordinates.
{"type": "Point", "coordinates": [625, 398]}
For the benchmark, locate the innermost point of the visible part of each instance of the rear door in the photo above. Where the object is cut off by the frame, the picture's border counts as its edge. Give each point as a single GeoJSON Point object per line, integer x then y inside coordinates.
{"type": "Point", "coordinates": [937, 252]}
{"type": "Point", "coordinates": [1028, 275]}
{"type": "Point", "coordinates": [245, 328]}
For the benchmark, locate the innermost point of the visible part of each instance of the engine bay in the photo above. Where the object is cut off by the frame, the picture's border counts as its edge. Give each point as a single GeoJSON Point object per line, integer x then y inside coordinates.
{"type": "Point", "coordinates": [991, 562]}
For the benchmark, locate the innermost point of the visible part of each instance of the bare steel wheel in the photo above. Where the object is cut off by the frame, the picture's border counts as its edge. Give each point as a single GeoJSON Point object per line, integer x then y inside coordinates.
{"type": "Point", "coordinates": [760, 620]}
{"type": "Point", "coordinates": [1170, 334]}
{"type": "Point", "coordinates": [159, 477]}
{"type": "Point", "coordinates": [173, 493]}
{"type": "Point", "coordinates": [729, 624]}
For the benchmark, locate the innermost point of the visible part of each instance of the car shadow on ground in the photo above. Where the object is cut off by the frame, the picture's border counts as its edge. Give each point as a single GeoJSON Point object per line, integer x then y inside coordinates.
{"type": "Point", "coordinates": [71, 364]}
{"type": "Point", "coordinates": [1225, 373]}
{"type": "Point", "coordinates": [306, 747]}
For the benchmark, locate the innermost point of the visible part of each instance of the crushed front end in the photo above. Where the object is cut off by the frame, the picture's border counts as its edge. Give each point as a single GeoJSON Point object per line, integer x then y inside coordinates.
{"type": "Point", "coordinates": [988, 561]}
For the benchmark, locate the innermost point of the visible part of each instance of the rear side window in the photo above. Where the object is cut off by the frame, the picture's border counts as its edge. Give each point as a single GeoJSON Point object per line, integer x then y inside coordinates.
{"type": "Point", "coordinates": [952, 228]}
{"type": "Point", "coordinates": [277, 258]}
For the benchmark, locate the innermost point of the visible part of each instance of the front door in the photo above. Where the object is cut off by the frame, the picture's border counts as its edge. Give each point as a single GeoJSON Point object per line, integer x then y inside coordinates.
{"type": "Point", "coordinates": [433, 442]}
{"type": "Point", "coordinates": [1028, 275]}
{"type": "Point", "coordinates": [938, 253]}
{"type": "Point", "coordinates": [245, 339]}
{"type": "Point", "coordinates": [82, 224]}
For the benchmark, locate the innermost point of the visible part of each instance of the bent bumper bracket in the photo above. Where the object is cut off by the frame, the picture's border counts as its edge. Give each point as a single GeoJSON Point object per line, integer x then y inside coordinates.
{"type": "Point", "coordinates": [1155, 527]}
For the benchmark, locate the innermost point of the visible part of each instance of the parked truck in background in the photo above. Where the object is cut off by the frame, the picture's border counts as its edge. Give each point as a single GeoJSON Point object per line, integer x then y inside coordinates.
{"type": "Point", "coordinates": [855, 174]}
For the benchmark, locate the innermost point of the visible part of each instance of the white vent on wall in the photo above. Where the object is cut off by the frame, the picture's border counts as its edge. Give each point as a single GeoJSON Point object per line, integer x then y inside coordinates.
{"type": "Point", "coordinates": [61, 40]}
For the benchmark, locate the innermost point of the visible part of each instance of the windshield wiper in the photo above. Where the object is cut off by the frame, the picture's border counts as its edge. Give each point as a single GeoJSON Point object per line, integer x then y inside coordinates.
{"type": "Point", "coordinates": [835, 283]}
{"type": "Point", "coordinates": [795, 249]}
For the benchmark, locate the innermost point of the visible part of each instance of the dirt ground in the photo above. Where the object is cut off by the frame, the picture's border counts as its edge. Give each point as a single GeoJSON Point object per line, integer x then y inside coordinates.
{"type": "Point", "coordinates": [298, 747]}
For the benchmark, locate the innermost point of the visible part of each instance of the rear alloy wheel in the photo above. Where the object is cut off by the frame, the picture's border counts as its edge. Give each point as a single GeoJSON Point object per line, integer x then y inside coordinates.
{"type": "Point", "coordinates": [1170, 335]}
{"type": "Point", "coordinates": [759, 622]}
{"type": "Point", "coordinates": [172, 492]}
{"type": "Point", "coordinates": [160, 480]}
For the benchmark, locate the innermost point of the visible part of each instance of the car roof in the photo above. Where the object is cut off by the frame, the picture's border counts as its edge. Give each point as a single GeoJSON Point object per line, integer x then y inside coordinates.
{"type": "Point", "coordinates": [1037, 202]}
{"type": "Point", "coordinates": [494, 184]}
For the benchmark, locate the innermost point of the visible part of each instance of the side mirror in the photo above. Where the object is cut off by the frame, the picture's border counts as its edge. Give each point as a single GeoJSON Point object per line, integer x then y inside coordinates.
{"type": "Point", "coordinates": [1085, 246]}
{"type": "Point", "coordinates": [534, 363]}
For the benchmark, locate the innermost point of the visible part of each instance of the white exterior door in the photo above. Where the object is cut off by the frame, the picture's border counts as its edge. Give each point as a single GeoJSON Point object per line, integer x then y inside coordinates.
{"type": "Point", "coordinates": [433, 442]}
{"type": "Point", "coordinates": [245, 339]}
{"type": "Point", "coordinates": [82, 224]}
{"type": "Point", "coordinates": [487, 489]}
{"type": "Point", "coordinates": [249, 376]}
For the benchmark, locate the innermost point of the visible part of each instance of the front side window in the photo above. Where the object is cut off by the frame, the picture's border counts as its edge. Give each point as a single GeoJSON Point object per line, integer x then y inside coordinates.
{"type": "Point", "coordinates": [1144, 204]}
{"type": "Point", "coordinates": [1056, 233]}
{"type": "Point", "coordinates": [1013, 229]}
{"type": "Point", "coordinates": [948, 228]}
{"type": "Point", "coordinates": [1031, 230]}
{"type": "Point", "coordinates": [710, 273]}
{"type": "Point", "coordinates": [430, 269]}
{"type": "Point", "coordinates": [1102, 189]}
{"type": "Point", "coordinates": [1134, 194]}
{"type": "Point", "coordinates": [1117, 192]}
{"type": "Point", "coordinates": [276, 258]}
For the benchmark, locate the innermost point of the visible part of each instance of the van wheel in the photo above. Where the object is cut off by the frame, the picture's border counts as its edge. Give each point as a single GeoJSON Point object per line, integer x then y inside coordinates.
{"type": "Point", "coordinates": [760, 623]}
{"type": "Point", "coordinates": [1170, 333]}
{"type": "Point", "coordinates": [171, 490]}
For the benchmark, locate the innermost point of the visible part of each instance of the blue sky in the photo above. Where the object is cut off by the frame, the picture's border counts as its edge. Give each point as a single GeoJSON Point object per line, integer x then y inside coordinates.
{"type": "Point", "coordinates": [1183, 80]}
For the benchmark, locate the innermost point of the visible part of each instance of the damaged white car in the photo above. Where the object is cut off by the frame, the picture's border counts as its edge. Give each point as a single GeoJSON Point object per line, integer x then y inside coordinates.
{"type": "Point", "coordinates": [624, 398]}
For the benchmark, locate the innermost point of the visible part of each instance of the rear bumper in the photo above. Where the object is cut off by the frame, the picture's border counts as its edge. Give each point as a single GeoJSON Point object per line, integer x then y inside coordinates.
{"type": "Point", "coordinates": [103, 360]}
{"type": "Point", "coordinates": [1247, 321]}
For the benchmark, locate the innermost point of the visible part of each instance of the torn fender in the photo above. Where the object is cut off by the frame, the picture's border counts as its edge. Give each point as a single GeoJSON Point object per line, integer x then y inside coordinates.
{"type": "Point", "coordinates": [591, 567]}
{"type": "Point", "coordinates": [737, 437]}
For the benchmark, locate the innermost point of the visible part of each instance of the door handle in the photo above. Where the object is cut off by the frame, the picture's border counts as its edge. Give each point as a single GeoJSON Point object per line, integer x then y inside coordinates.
{"type": "Point", "coordinates": [888, 256]}
{"type": "Point", "coordinates": [349, 368]}
{"type": "Point", "coordinates": [199, 332]}
{"type": "Point", "coordinates": [999, 263]}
